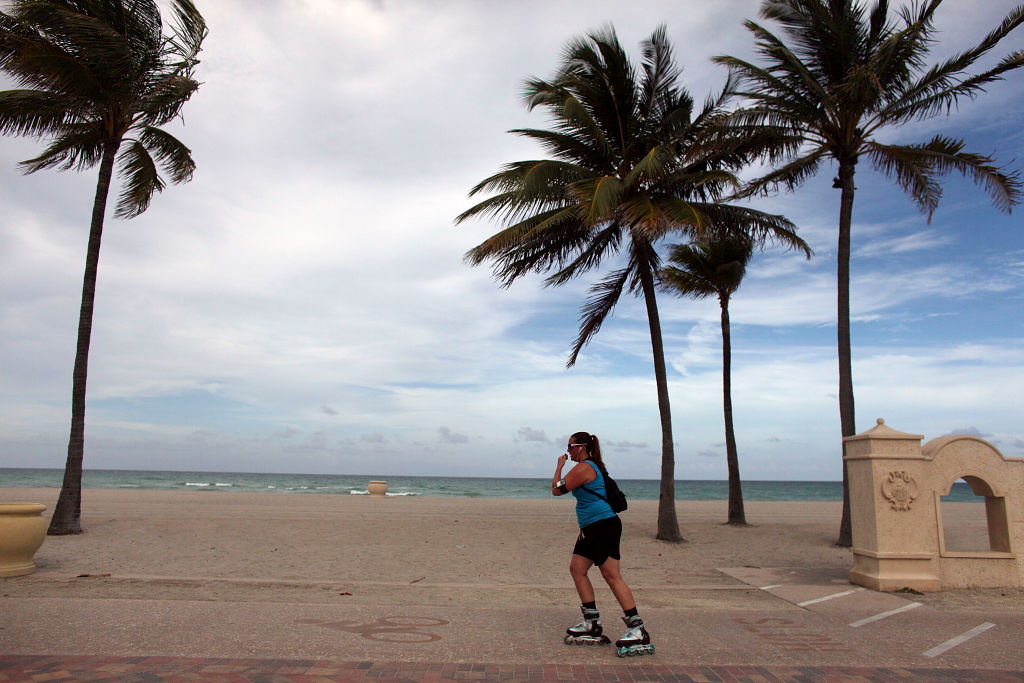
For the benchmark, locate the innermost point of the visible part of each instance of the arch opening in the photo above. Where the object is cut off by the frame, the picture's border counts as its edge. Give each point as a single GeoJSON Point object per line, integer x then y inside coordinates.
{"type": "Point", "coordinates": [973, 518]}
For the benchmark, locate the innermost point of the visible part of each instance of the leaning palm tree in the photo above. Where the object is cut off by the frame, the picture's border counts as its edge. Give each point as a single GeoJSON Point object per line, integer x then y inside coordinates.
{"type": "Point", "coordinates": [715, 267]}
{"type": "Point", "coordinates": [846, 77]}
{"type": "Point", "coordinates": [629, 163]}
{"type": "Point", "coordinates": [98, 79]}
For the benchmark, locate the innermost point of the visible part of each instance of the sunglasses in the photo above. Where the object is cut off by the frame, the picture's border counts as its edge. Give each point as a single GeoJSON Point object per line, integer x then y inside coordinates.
{"type": "Point", "coordinates": [574, 445]}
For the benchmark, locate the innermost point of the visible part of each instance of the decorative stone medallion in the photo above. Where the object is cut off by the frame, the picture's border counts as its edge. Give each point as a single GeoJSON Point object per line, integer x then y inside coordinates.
{"type": "Point", "coordinates": [900, 489]}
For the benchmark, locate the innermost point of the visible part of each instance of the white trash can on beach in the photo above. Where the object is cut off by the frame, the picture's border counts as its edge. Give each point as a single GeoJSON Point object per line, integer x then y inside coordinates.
{"type": "Point", "coordinates": [378, 488]}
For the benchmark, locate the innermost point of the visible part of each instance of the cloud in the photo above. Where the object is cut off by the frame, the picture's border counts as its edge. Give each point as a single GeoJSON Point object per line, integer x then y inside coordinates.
{"type": "Point", "coordinates": [529, 434]}
{"type": "Point", "coordinates": [446, 435]}
{"type": "Point", "coordinates": [969, 431]}
{"type": "Point", "coordinates": [628, 444]}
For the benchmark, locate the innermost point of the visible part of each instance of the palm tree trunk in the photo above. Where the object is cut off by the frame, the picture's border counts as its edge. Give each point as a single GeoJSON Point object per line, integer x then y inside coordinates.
{"type": "Point", "coordinates": [68, 513]}
{"type": "Point", "coordinates": [737, 515]}
{"type": "Point", "coordinates": [846, 412]}
{"type": "Point", "coordinates": [668, 523]}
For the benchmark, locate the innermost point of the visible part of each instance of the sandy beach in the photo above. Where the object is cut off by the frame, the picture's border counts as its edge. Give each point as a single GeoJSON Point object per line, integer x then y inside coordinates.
{"type": "Point", "coordinates": [408, 550]}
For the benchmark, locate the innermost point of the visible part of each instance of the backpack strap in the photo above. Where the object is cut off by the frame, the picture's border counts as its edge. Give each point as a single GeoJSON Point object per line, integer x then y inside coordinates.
{"type": "Point", "coordinates": [584, 486]}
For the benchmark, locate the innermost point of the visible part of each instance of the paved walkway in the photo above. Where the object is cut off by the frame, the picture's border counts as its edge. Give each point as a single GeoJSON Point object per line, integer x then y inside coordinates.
{"type": "Point", "coordinates": [769, 625]}
{"type": "Point", "coordinates": [57, 669]}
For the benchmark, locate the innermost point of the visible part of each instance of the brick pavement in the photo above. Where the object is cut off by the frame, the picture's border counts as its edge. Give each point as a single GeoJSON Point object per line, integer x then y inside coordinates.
{"type": "Point", "coordinates": [62, 668]}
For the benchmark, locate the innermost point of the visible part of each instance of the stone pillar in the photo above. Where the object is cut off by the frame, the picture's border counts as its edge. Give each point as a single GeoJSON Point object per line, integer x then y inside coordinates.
{"type": "Point", "coordinates": [895, 540]}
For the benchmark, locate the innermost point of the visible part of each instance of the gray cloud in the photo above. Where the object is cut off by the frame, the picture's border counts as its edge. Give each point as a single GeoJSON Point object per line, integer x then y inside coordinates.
{"type": "Point", "coordinates": [446, 435]}
{"type": "Point", "coordinates": [969, 431]}
{"type": "Point", "coordinates": [530, 434]}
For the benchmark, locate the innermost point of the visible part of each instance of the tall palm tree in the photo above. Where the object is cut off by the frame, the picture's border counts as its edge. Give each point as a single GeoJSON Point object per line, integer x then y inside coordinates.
{"type": "Point", "coordinates": [715, 267]}
{"type": "Point", "coordinates": [845, 77]}
{"type": "Point", "coordinates": [98, 80]}
{"type": "Point", "coordinates": [629, 163]}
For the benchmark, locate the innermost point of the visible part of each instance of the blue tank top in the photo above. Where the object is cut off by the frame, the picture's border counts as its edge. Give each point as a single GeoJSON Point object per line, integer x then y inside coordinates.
{"type": "Point", "coordinates": [589, 507]}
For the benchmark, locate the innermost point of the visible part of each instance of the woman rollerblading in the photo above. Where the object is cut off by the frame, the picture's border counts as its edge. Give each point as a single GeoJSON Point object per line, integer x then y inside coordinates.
{"type": "Point", "coordinates": [635, 641]}
{"type": "Point", "coordinates": [598, 544]}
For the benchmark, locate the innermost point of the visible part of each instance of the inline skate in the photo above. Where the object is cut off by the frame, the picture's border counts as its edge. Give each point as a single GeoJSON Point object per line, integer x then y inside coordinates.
{"type": "Point", "coordinates": [636, 641]}
{"type": "Point", "coordinates": [588, 631]}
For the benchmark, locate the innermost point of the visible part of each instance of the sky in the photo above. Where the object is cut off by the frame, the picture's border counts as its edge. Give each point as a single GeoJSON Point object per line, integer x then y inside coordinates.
{"type": "Point", "coordinates": [303, 304]}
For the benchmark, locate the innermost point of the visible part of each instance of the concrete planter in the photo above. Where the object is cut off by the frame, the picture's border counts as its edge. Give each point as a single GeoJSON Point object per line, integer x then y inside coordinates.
{"type": "Point", "coordinates": [378, 488]}
{"type": "Point", "coordinates": [22, 531]}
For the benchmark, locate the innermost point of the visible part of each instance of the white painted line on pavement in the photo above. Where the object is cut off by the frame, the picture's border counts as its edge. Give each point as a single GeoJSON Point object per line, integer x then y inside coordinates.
{"type": "Point", "coordinates": [883, 615]}
{"type": "Point", "coordinates": [959, 640]}
{"type": "Point", "coordinates": [828, 597]}
{"type": "Point", "coordinates": [774, 585]}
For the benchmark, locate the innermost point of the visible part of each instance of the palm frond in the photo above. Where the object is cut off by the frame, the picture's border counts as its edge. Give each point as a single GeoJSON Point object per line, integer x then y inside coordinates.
{"type": "Point", "coordinates": [141, 180]}
{"type": "Point", "coordinates": [912, 170]}
{"type": "Point", "coordinates": [796, 76]}
{"type": "Point", "coordinates": [730, 222]}
{"type": "Point", "coordinates": [76, 147]}
{"type": "Point", "coordinates": [569, 147]}
{"type": "Point", "coordinates": [36, 56]}
{"type": "Point", "coordinates": [655, 217]}
{"type": "Point", "coordinates": [165, 99]}
{"type": "Point", "coordinates": [189, 31]}
{"type": "Point", "coordinates": [651, 165]}
{"type": "Point", "coordinates": [790, 175]}
{"type": "Point", "coordinates": [598, 245]}
{"type": "Point", "coordinates": [936, 93]}
{"type": "Point", "coordinates": [170, 153]}
{"type": "Point", "coordinates": [660, 77]}
{"type": "Point", "coordinates": [599, 305]}
{"type": "Point", "coordinates": [544, 241]}
{"type": "Point", "coordinates": [34, 113]}
{"type": "Point", "coordinates": [685, 283]}
{"type": "Point", "coordinates": [598, 197]}
{"type": "Point", "coordinates": [572, 119]}
{"type": "Point", "coordinates": [916, 168]}
{"type": "Point", "coordinates": [523, 188]}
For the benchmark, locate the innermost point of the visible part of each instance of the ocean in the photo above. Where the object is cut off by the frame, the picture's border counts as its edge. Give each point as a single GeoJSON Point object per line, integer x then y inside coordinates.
{"type": "Point", "coordinates": [446, 487]}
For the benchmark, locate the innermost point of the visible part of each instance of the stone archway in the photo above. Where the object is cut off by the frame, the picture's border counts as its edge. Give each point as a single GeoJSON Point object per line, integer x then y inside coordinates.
{"type": "Point", "coordinates": [896, 488]}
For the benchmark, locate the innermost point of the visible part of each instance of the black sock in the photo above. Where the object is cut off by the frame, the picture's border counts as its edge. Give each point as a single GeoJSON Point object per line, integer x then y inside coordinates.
{"type": "Point", "coordinates": [590, 605]}
{"type": "Point", "coordinates": [631, 612]}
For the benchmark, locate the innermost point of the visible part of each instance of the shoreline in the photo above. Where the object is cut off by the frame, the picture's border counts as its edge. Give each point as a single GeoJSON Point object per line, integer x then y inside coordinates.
{"type": "Point", "coordinates": [430, 486]}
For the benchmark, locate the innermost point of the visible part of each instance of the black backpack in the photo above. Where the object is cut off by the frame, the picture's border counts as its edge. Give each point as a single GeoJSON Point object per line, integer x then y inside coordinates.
{"type": "Point", "coordinates": [616, 498]}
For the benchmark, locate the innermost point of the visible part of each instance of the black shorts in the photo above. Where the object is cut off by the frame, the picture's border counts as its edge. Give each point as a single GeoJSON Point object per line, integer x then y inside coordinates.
{"type": "Point", "coordinates": [600, 540]}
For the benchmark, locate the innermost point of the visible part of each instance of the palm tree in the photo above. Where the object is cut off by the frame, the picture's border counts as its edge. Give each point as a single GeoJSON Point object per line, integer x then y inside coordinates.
{"type": "Point", "coordinates": [96, 76]}
{"type": "Point", "coordinates": [629, 164]}
{"type": "Point", "coordinates": [716, 267]}
{"type": "Point", "coordinates": [846, 77]}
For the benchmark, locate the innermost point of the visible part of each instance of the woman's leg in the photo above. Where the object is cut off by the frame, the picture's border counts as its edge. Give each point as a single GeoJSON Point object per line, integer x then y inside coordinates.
{"type": "Point", "coordinates": [610, 572]}
{"type": "Point", "coordinates": [578, 568]}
